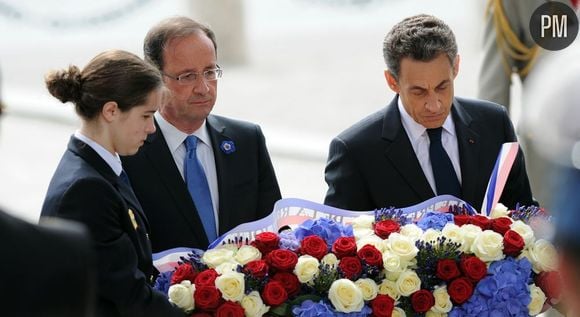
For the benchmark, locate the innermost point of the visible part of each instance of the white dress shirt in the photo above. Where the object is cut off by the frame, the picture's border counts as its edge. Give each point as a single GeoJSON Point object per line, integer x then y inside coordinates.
{"type": "Point", "coordinates": [175, 141]}
{"type": "Point", "coordinates": [114, 161]}
{"type": "Point", "coordinates": [420, 141]}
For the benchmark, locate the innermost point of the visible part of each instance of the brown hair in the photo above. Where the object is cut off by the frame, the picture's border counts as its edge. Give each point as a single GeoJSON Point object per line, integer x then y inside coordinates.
{"type": "Point", "coordinates": [113, 75]}
{"type": "Point", "coordinates": [157, 38]}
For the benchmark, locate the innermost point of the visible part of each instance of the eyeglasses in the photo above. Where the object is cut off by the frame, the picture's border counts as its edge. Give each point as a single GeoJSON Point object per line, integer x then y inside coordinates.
{"type": "Point", "coordinates": [191, 78]}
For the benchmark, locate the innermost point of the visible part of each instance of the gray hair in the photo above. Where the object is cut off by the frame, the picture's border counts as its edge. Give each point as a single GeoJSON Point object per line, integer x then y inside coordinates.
{"type": "Point", "coordinates": [421, 37]}
{"type": "Point", "coordinates": [168, 29]}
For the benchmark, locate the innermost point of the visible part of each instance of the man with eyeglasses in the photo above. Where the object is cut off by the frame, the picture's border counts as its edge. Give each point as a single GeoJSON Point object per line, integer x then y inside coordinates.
{"type": "Point", "coordinates": [199, 174]}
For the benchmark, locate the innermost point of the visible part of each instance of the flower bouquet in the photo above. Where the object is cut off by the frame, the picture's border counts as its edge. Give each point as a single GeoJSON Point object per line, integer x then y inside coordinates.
{"type": "Point", "coordinates": [381, 263]}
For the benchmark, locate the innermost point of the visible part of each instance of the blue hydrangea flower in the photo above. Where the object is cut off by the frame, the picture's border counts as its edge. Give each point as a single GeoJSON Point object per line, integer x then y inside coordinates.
{"type": "Point", "coordinates": [327, 229]}
{"type": "Point", "coordinates": [309, 308]}
{"type": "Point", "coordinates": [503, 293]}
{"type": "Point", "coordinates": [435, 220]}
{"type": "Point", "coordinates": [288, 241]}
{"type": "Point", "coordinates": [163, 282]}
{"type": "Point", "coordinates": [228, 147]}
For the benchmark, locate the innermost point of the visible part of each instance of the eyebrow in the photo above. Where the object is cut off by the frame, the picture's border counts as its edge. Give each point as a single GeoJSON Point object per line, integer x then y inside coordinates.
{"type": "Point", "coordinates": [446, 81]}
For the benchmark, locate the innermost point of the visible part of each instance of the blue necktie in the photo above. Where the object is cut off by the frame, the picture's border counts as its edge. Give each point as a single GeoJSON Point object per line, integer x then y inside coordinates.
{"type": "Point", "coordinates": [198, 187]}
{"type": "Point", "coordinates": [125, 178]}
{"type": "Point", "coordinates": [445, 178]}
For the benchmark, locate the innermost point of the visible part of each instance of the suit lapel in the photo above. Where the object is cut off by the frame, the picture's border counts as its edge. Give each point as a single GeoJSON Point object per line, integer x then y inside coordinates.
{"type": "Point", "coordinates": [401, 154]}
{"type": "Point", "coordinates": [217, 133]}
{"type": "Point", "coordinates": [88, 154]}
{"type": "Point", "coordinates": [469, 148]}
{"type": "Point", "coordinates": [161, 159]}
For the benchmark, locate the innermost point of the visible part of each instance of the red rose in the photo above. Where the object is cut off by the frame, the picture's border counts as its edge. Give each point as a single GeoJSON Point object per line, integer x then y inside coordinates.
{"type": "Point", "coordinates": [460, 290]}
{"type": "Point", "coordinates": [230, 309]}
{"type": "Point", "coordinates": [501, 225]}
{"type": "Point", "coordinates": [314, 246]}
{"type": "Point", "coordinates": [385, 227]}
{"type": "Point", "coordinates": [371, 255]}
{"type": "Point", "coordinates": [447, 269]}
{"type": "Point", "coordinates": [206, 278]}
{"type": "Point", "coordinates": [461, 220]}
{"type": "Point", "coordinates": [256, 268]}
{"type": "Point", "coordinates": [473, 268]}
{"type": "Point", "coordinates": [182, 273]}
{"type": "Point", "coordinates": [344, 246]}
{"type": "Point", "coordinates": [551, 285]}
{"type": "Point", "coordinates": [266, 242]}
{"type": "Point", "coordinates": [422, 300]}
{"type": "Point", "coordinates": [289, 281]}
{"type": "Point", "coordinates": [481, 221]}
{"type": "Point", "coordinates": [383, 306]}
{"type": "Point", "coordinates": [350, 267]}
{"type": "Point", "coordinates": [282, 260]}
{"type": "Point", "coordinates": [207, 297]}
{"type": "Point", "coordinates": [513, 243]}
{"type": "Point", "coordinates": [274, 293]}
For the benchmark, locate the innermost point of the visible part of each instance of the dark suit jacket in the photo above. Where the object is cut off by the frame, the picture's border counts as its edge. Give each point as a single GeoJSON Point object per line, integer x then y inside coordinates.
{"type": "Point", "coordinates": [372, 164]}
{"type": "Point", "coordinates": [247, 184]}
{"type": "Point", "coordinates": [84, 188]}
{"type": "Point", "coordinates": [46, 270]}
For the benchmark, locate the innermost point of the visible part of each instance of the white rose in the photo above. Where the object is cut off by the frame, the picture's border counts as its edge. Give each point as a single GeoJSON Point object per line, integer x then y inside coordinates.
{"type": "Point", "coordinates": [469, 232]}
{"type": "Point", "coordinates": [215, 257]}
{"type": "Point", "coordinates": [253, 305]}
{"type": "Point", "coordinates": [543, 256]}
{"type": "Point", "coordinates": [373, 240]}
{"type": "Point", "coordinates": [330, 259]}
{"type": "Point", "coordinates": [402, 246]}
{"type": "Point", "coordinates": [226, 267]}
{"type": "Point", "coordinates": [488, 246]}
{"type": "Point", "coordinates": [408, 283]}
{"type": "Point", "coordinates": [306, 268]}
{"type": "Point", "coordinates": [412, 231]}
{"type": "Point", "coordinates": [392, 262]}
{"type": "Point", "coordinates": [368, 288]}
{"type": "Point", "coordinates": [500, 210]}
{"type": "Point", "coordinates": [182, 295]}
{"type": "Point", "coordinates": [538, 300]}
{"type": "Point", "coordinates": [431, 235]}
{"type": "Point", "coordinates": [361, 233]}
{"type": "Point", "coordinates": [524, 230]}
{"type": "Point", "coordinates": [452, 232]}
{"type": "Point", "coordinates": [388, 287]}
{"type": "Point", "coordinates": [442, 300]}
{"type": "Point", "coordinates": [431, 313]}
{"type": "Point", "coordinates": [398, 312]}
{"type": "Point", "coordinates": [363, 222]}
{"type": "Point", "coordinates": [345, 296]}
{"type": "Point", "coordinates": [392, 276]}
{"type": "Point", "coordinates": [232, 286]}
{"type": "Point", "coordinates": [247, 253]}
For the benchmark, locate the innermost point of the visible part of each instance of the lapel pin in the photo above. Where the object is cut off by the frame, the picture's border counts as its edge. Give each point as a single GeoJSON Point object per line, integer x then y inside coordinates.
{"type": "Point", "coordinates": [471, 141]}
{"type": "Point", "coordinates": [132, 217]}
{"type": "Point", "coordinates": [228, 147]}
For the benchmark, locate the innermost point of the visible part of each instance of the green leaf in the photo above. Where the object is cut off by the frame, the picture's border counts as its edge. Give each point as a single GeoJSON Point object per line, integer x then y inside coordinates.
{"type": "Point", "coordinates": [298, 300]}
{"type": "Point", "coordinates": [281, 310]}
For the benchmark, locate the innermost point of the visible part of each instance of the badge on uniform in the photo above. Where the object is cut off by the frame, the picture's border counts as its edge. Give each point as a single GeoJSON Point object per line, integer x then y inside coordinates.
{"type": "Point", "coordinates": [132, 217]}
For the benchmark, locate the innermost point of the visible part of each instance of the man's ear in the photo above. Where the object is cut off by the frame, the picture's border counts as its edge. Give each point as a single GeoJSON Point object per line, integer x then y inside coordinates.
{"type": "Point", "coordinates": [110, 111]}
{"type": "Point", "coordinates": [392, 81]}
{"type": "Point", "coordinates": [456, 66]}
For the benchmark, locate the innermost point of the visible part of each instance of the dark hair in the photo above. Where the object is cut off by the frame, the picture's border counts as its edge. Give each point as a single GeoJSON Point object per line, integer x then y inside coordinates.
{"type": "Point", "coordinates": [421, 37]}
{"type": "Point", "coordinates": [157, 38]}
{"type": "Point", "coordinates": [113, 75]}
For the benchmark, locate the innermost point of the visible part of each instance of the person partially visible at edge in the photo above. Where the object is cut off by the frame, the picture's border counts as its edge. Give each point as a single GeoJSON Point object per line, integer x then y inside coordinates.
{"type": "Point", "coordinates": [115, 96]}
{"type": "Point", "coordinates": [238, 183]}
{"type": "Point", "coordinates": [387, 158]}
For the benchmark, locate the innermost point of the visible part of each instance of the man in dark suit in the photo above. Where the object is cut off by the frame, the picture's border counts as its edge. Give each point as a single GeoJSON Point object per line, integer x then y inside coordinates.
{"type": "Point", "coordinates": [237, 182]}
{"type": "Point", "coordinates": [48, 270]}
{"type": "Point", "coordinates": [425, 142]}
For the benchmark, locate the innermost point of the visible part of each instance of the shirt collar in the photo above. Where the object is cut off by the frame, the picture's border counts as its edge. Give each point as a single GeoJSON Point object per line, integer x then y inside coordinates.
{"type": "Point", "coordinates": [416, 130]}
{"type": "Point", "coordinates": [114, 161]}
{"type": "Point", "coordinates": [174, 137]}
